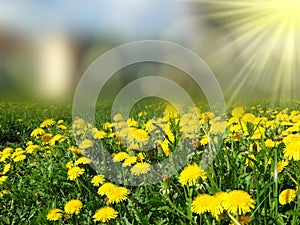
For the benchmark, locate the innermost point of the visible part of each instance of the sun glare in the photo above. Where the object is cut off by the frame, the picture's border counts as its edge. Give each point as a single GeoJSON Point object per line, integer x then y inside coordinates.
{"type": "Point", "coordinates": [266, 34]}
{"type": "Point", "coordinates": [287, 9]}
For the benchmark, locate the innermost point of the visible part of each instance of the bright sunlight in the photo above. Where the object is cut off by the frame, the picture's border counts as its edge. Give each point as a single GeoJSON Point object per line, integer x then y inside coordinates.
{"type": "Point", "coordinates": [266, 33]}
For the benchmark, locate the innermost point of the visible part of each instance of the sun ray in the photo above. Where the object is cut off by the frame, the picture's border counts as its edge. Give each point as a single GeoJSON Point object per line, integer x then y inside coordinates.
{"type": "Point", "coordinates": [266, 34]}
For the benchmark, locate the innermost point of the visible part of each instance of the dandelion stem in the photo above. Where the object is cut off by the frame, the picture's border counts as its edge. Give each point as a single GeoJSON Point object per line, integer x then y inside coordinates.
{"type": "Point", "coordinates": [185, 194]}
{"type": "Point", "coordinates": [85, 187]}
{"type": "Point", "coordinates": [210, 178]}
{"type": "Point", "coordinates": [257, 187]}
{"type": "Point", "coordinates": [207, 220]}
{"type": "Point", "coordinates": [233, 219]}
{"type": "Point", "coordinates": [289, 175]}
{"type": "Point", "coordinates": [276, 183]}
{"type": "Point", "coordinates": [177, 189]}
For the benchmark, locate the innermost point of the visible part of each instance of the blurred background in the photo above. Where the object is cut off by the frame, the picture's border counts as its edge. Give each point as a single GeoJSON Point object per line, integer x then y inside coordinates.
{"type": "Point", "coordinates": [46, 46]}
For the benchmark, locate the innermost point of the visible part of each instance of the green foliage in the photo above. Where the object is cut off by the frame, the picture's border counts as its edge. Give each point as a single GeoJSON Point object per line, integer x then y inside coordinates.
{"type": "Point", "coordinates": [40, 182]}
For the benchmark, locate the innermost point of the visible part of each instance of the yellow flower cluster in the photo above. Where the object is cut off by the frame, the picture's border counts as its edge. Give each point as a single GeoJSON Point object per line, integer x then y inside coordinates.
{"type": "Point", "coordinates": [72, 207]}
{"type": "Point", "coordinates": [113, 193]}
{"type": "Point", "coordinates": [237, 202]}
{"type": "Point", "coordinates": [254, 139]}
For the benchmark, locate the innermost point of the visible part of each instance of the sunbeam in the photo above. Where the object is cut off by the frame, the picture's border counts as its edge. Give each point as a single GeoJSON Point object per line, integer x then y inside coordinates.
{"type": "Point", "coordinates": [266, 33]}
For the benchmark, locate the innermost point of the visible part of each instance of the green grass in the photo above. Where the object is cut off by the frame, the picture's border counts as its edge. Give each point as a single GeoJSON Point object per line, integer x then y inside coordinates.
{"type": "Point", "coordinates": [40, 182]}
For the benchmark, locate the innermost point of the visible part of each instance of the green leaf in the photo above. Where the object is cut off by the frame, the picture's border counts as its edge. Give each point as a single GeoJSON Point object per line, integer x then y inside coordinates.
{"type": "Point", "coordinates": [292, 213]}
{"type": "Point", "coordinates": [175, 195]}
{"type": "Point", "coordinates": [166, 208]}
{"type": "Point", "coordinates": [6, 220]}
{"type": "Point", "coordinates": [160, 222]}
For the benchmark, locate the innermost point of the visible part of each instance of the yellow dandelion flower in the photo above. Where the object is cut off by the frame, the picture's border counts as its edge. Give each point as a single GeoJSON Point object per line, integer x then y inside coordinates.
{"type": "Point", "coordinates": [248, 117]}
{"type": "Point", "coordinates": [6, 168]}
{"type": "Point", "coordinates": [170, 110]}
{"type": "Point", "coordinates": [117, 194]}
{"type": "Point", "coordinates": [122, 133]}
{"type": "Point", "coordinates": [75, 172]}
{"type": "Point", "coordinates": [37, 132]}
{"type": "Point", "coordinates": [73, 206]}
{"type": "Point", "coordinates": [292, 150]}
{"type": "Point", "coordinates": [291, 138]}
{"type": "Point", "coordinates": [118, 117]}
{"type": "Point", "coordinates": [46, 137]}
{"type": "Point", "coordinates": [78, 123]}
{"type": "Point", "coordinates": [19, 158]}
{"type": "Point", "coordinates": [201, 203]}
{"type": "Point", "coordinates": [129, 161]}
{"type": "Point", "coordinates": [2, 179]}
{"type": "Point", "coordinates": [60, 121]}
{"type": "Point", "coordinates": [7, 150]}
{"type": "Point", "coordinates": [54, 214]}
{"type": "Point", "coordinates": [69, 165]}
{"type": "Point", "coordinates": [269, 143]}
{"type": "Point", "coordinates": [47, 123]}
{"type": "Point", "coordinates": [76, 150]}
{"type": "Point", "coordinates": [98, 179]}
{"type": "Point", "coordinates": [216, 208]}
{"type": "Point", "coordinates": [281, 164]}
{"type": "Point", "coordinates": [106, 188]}
{"type": "Point", "coordinates": [29, 143]}
{"type": "Point", "coordinates": [140, 157]}
{"type": "Point", "coordinates": [238, 112]}
{"type": "Point", "coordinates": [86, 144]}
{"type": "Point", "coordinates": [120, 156]}
{"type": "Point", "coordinates": [82, 160]}
{"type": "Point", "coordinates": [137, 135]}
{"type": "Point", "coordinates": [4, 157]}
{"type": "Point", "coordinates": [149, 126]}
{"type": "Point", "coordinates": [31, 148]}
{"type": "Point", "coordinates": [57, 138]}
{"type": "Point", "coordinates": [140, 168]}
{"type": "Point", "coordinates": [107, 126]}
{"type": "Point", "coordinates": [249, 160]}
{"type": "Point", "coordinates": [4, 192]}
{"type": "Point", "coordinates": [61, 127]}
{"type": "Point", "coordinates": [218, 127]}
{"type": "Point", "coordinates": [79, 132]}
{"type": "Point", "coordinates": [258, 134]}
{"type": "Point", "coordinates": [169, 133]}
{"type": "Point", "coordinates": [237, 137]}
{"type": "Point", "coordinates": [190, 174]}
{"type": "Point", "coordinates": [287, 196]}
{"type": "Point", "coordinates": [204, 140]}
{"type": "Point", "coordinates": [105, 214]}
{"type": "Point", "coordinates": [286, 123]}
{"type": "Point", "coordinates": [238, 202]}
{"type": "Point", "coordinates": [132, 123]}
{"type": "Point", "coordinates": [165, 147]}
{"type": "Point", "coordinates": [18, 151]}
{"type": "Point", "coordinates": [98, 134]}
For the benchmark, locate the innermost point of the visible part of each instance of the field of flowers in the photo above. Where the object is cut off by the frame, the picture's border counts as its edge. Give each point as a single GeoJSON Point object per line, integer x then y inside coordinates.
{"type": "Point", "coordinates": [47, 177]}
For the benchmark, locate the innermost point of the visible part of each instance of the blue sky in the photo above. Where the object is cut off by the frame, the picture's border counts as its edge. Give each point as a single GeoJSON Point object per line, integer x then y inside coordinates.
{"type": "Point", "coordinates": [137, 17]}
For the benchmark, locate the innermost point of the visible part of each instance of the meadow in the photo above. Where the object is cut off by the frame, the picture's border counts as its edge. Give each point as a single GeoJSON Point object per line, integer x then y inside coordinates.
{"type": "Point", "coordinates": [47, 176]}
